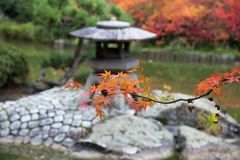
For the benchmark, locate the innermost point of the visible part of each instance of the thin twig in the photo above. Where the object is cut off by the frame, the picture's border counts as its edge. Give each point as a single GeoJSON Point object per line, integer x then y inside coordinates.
{"type": "Point", "coordinates": [189, 100]}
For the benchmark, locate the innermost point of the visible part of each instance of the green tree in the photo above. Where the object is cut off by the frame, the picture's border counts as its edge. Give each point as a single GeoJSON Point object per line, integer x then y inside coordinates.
{"type": "Point", "coordinates": [59, 17]}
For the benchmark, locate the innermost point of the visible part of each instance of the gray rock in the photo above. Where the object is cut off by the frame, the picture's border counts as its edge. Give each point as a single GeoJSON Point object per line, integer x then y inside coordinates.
{"type": "Point", "coordinates": [65, 128]}
{"type": "Point", "coordinates": [67, 121]}
{"type": "Point", "coordinates": [46, 128]}
{"type": "Point", "coordinates": [77, 117]}
{"type": "Point", "coordinates": [15, 125]}
{"type": "Point", "coordinates": [53, 132]}
{"type": "Point", "coordinates": [4, 132]}
{"type": "Point", "coordinates": [132, 136]}
{"type": "Point", "coordinates": [33, 111]}
{"type": "Point", "coordinates": [57, 125]}
{"type": "Point", "coordinates": [59, 138]}
{"type": "Point", "coordinates": [14, 132]}
{"type": "Point", "coordinates": [42, 111]}
{"type": "Point", "coordinates": [35, 117]}
{"type": "Point", "coordinates": [33, 124]}
{"type": "Point", "coordinates": [14, 117]}
{"type": "Point", "coordinates": [60, 112]}
{"type": "Point", "coordinates": [118, 104]}
{"type": "Point", "coordinates": [199, 145]}
{"type": "Point", "coordinates": [76, 133]}
{"type": "Point", "coordinates": [45, 135]}
{"type": "Point", "coordinates": [24, 132]}
{"type": "Point", "coordinates": [20, 109]}
{"type": "Point", "coordinates": [86, 124]}
{"type": "Point", "coordinates": [36, 141]}
{"type": "Point", "coordinates": [48, 142]}
{"type": "Point", "coordinates": [26, 140]}
{"type": "Point", "coordinates": [68, 116]}
{"type": "Point", "coordinates": [58, 118]}
{"type": "Point", "coordinates": [3, 116]}
{"type": "Point", "coordinates": [68, 142]}
{"type": "Point", "coordinates": [10, 110]}
{"type": "Point", "coordinates": [26, 118]}
{"type": "Point", "coordinates": [51, 114]}
{"type": "Point", "coordinates": [179, 114]}
{"type": "Point", "coordinates": [34, 132]}
{"type": "Point", "coordinates": [5, 125]}
{"type": "Point", "coordinates": [24, 125]}
{"type": "Point", "coordinates": [76, 123]}
{"type": "Point", "coordinates": [23, 112]}
{"type": "Point", "coordinates": [45, 122]}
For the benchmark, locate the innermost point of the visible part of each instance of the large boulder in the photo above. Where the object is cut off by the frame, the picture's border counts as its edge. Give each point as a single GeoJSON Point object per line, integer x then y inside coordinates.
{"type": "Point", "coordinates": [195, 115]}
{"type": "Point", "coordinates": [197, 145]}
{"type": "Point", "coordinates": [128, 137]}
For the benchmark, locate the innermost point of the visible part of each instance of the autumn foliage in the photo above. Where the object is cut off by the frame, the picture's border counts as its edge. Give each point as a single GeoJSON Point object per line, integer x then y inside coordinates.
{"type": "Point", "coordinates": [138, 94]}
{"type": "Point", "coordinates": [191, 21]}
{"type": "Point", "coordinates": [217, 81]}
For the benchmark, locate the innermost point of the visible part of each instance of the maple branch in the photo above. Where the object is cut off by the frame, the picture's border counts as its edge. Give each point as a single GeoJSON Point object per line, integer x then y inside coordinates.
{"type": "Point", "coordinates": [189, 100]}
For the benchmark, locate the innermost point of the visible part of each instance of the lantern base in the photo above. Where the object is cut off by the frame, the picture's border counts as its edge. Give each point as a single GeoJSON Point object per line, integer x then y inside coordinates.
{"type": "Point", "coordinates": [113, 64]}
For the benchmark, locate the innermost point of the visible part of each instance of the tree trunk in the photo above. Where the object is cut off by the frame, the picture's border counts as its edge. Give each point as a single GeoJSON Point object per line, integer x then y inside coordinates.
{"type": "Point", "coordinates": [36, 86]}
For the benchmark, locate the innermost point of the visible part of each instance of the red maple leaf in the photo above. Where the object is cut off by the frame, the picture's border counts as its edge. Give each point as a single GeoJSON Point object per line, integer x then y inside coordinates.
{"type": "Point", "coordinates": [231, 80]}
{"type": "Point", "coordinates": [73, 84]}
{"type": "Point", "coordinates": [215, 80]}
{"type": "Point", "coordinates": [236, 70]}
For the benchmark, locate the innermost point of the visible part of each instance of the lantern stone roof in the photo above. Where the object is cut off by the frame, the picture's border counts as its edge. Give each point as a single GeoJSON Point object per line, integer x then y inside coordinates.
{"type": "Point", "coordinates": [113, 30]}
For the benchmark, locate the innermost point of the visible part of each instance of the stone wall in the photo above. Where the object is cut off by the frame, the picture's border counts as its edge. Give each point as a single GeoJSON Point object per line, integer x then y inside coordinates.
{"type": "Point", "coordinates": [47, 118]}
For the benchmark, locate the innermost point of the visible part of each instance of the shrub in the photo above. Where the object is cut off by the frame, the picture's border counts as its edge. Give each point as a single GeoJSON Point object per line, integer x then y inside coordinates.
{"type": "Point", "coordinates": [57, 61]}
{"type": "Point", "coordinates": [10, 29]}
{"type": "Point", "coordinates": [13, 66]}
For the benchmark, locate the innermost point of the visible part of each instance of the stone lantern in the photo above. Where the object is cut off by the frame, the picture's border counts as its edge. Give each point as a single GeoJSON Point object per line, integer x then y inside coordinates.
{"type": "Point", "coordinates": [112, 40]}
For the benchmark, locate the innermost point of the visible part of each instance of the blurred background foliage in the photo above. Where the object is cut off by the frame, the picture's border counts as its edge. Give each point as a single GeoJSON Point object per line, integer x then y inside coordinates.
{"type": "Point", "coordinates": [199, 23]}
{"type": "Point", "coordinates": [13, 66]}
{"type": "Point", "coordinates": [45, 20]}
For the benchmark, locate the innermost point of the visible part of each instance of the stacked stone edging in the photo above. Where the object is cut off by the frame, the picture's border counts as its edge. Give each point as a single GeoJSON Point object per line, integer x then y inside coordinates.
{"type": "Point", "coordinates": [47, 118]}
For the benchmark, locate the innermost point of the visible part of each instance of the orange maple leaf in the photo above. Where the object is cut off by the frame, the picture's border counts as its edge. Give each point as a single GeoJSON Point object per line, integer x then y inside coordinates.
{"type": "Point", "coordinates": [106, 74]}
{"type": "Point", "coordinates": [123, 75]}
{"type": "Point", "coordinates": [99, 112]}
{"type": "Point", "coordinates": [202, 88]}
{"type": "Point", "coordinates": [105, 100]}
